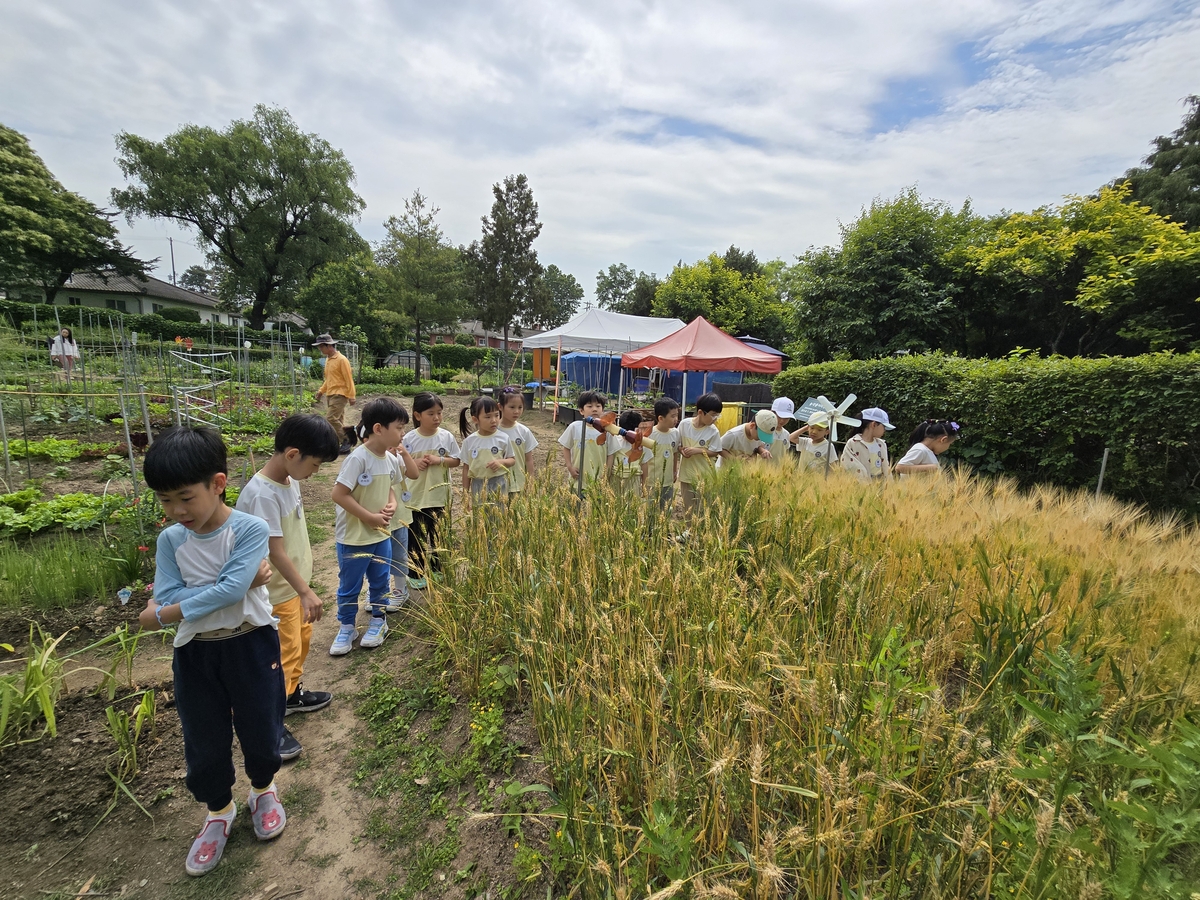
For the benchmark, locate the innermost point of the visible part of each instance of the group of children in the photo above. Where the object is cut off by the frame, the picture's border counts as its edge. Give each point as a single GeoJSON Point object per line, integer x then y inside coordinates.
{"type": "Point", "coordinates": [684, 450]}
{"type": "Point", "coordinates": [235, 581]}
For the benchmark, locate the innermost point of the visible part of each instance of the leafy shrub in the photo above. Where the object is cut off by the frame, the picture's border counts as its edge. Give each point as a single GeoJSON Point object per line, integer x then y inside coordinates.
{"type": "Point", "coordinates": [464, 340]}
{"type": "Point", "coordinates": [1041, 420]}
{"type": "Point", "coordinates": [390, 375]}
{"type": "Point", "coordinates": [454, 356]}
{"type": "Point", "coordinates": [445, 375]}
{"type": "Point", "coordinates": [179, 314]}
{"type": "Point", "coordinates": [60, 450]}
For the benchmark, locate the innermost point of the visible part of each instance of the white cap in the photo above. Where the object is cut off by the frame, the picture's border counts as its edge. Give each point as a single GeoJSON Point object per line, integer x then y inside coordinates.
{"type": "Point", "coordinates": [875, 414]}
{"type": "Point", "coordinates": [784, 408]}
{"type": "Point", "coordinates": [818, 420]}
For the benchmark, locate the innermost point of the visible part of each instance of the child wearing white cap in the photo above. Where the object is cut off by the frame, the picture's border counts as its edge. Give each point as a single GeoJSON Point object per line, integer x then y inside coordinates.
{"type": "Point", "coordinates": [752, 439]}
{"type": "Point", "coordinates": [866, 453]}
{"type": "Point", "coordinates": [812, 441]}
{"type": "Point", "coordinates": [785, 411]}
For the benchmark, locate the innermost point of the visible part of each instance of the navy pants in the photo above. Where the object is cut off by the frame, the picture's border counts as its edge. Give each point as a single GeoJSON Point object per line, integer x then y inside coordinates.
{"type": "Point", "coordinates": [370, 561]}
{"type": "Point", "coordinates": [227, 685]}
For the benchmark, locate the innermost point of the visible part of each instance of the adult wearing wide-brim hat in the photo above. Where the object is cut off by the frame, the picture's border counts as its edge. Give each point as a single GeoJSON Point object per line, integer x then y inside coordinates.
{"type": "Point", "coordinates": [337, 389]}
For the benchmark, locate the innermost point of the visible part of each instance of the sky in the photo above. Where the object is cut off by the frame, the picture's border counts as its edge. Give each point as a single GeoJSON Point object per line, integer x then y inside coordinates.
{"type": "Point", "coordinates": [651, 132]}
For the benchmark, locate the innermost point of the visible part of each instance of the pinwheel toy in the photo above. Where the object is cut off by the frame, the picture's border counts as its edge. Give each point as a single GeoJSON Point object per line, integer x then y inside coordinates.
{"type": "Point", "coordinates": [832, 416]}
{"type": "Point", "coordinates": [607, 424]}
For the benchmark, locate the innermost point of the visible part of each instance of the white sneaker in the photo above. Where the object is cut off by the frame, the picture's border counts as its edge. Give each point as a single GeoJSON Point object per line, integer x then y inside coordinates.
{"type": "Point", "coordinates": [344, 642]}
{"type": "Point", "coordinates": [376, 632]}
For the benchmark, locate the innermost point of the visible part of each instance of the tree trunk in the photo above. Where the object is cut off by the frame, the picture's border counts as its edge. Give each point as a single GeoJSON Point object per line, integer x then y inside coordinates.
{"type": "Point", "coordinates": [258, 312]}
{"type": "Point", "coordinates": [417, 352]}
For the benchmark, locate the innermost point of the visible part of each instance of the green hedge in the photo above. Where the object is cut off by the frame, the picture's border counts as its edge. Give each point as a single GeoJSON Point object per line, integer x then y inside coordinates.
{"type": "Point", "coordinates": [1041, 420]}
{"type": "Point", "coordinates": [392, 375]}
{"type": "Point", "coordinates": [454, 356]}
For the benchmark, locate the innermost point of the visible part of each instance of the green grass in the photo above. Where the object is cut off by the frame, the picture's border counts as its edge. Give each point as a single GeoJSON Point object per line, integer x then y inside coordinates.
{"type": "Point", "coordinates": [316, 533]}
{"type": "Point", "coordinates": [61, 571]}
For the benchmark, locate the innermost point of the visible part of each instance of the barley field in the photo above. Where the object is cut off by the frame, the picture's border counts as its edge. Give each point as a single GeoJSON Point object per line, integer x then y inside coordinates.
{"type": "Point", "coordinates": [821, 689]}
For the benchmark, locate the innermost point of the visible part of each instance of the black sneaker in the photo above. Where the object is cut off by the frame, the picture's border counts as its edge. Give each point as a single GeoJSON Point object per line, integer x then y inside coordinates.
{"type": "Point", "coordinates": [302, 701]}
{"type": "Point", "coordinates": [289, 747]}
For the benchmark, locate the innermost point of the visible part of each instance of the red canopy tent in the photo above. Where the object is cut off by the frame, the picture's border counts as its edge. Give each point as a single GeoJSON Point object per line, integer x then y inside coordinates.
{"type": "Point", "coordinates": [701, 346]}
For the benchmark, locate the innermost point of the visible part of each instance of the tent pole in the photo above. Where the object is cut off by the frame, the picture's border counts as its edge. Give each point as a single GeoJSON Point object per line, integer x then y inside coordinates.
{"type": "Point", "coordinates": [557, 379]}
{"type": "Point", "coordinates": [683, 395]}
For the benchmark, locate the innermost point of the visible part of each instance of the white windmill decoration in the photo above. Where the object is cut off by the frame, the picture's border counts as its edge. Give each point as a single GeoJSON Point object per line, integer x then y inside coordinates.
{"type": "Point", "coordinates": [832, 416]}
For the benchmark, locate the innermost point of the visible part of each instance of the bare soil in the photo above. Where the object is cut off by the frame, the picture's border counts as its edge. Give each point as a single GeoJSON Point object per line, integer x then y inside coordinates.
{"type": "Point", "coordinates": [58, 832]}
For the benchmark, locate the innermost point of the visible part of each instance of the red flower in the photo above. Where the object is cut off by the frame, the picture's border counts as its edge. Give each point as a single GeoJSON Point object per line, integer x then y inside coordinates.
{"type": "Point", "coordinates": [143, 548]}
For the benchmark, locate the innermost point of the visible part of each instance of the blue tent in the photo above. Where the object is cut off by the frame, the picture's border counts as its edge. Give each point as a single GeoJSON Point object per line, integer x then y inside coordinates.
{"type": "Point", "coordinates": [698, 383]}
{"type": "Point", "coordinates": [593, 371]}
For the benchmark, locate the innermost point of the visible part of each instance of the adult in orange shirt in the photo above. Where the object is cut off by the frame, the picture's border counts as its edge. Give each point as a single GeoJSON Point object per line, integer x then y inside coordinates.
{"type": "Point", "coordinates": [337, 388]}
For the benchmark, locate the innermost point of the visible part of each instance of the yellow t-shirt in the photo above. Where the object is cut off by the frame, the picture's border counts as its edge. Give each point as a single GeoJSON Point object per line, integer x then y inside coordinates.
{"type": "Point", "coordinates": [622, 466]}
{"type": "Point", "coordinates": [692, 468]}
{"type": "Point", "coordinates": [478, 451]}
{"type": "Point", "coordinates": [279, 505]}
{"type": "Point", "coordinates": [371, 480]}
{"type": "Point", "coordinates": [594, 454]}
{"type": "Point", "coordinates": [432, 487]}
{"type": "Point", "coordinates": [522, 442]}
{"type": "Point", "coordinates": [403, 517]}
{"type": "Point", "coordinates": [660, 466]}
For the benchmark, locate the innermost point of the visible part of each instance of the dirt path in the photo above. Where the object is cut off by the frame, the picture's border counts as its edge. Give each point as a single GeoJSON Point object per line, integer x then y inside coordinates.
{"type": "Point", "coordinates": [337, 841]}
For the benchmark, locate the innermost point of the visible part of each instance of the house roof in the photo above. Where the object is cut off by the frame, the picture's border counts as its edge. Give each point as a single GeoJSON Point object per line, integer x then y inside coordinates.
{"type": "Point", "coordinates": [131, 284]}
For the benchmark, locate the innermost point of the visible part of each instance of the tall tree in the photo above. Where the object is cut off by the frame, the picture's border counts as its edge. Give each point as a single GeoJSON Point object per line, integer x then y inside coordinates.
{"type": "Point", "coordinates": [352, 292]}
{"type": "Point", "coordinates": [889, 286]}
{"type": "Point", "coordinates": [197, 278]}
{"type": "Point", "coordinates": [561, 294]}
{"type": "Point", "coordinates": [732, 301]}
{"type": "Point", "coordinates": [505, 267]}
{"type": "Point", "coordinates": [622, 291]}
{"type": "Point", "coordinates": [423, 269]}
{"type": "Point", "coordinates": [1169, 183]}
{"type": "Point", "coordinates": [743, 261]}
{"type": "Point", "coordinates": [270, 203]}
{"type": "Point", "coordinates": [1099, 274]}
{"type": "Point", "coordinates": [48, 233]}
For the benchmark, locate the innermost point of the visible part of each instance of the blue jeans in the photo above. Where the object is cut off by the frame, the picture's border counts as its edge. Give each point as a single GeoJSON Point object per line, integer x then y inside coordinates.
{"type": "Point", "coordinates": [372, 561]}
{"type": "Point", "coordinates": [400, 561]}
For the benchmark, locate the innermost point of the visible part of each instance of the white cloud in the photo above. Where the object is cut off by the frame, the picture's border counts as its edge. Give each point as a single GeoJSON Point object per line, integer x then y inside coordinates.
{"type": "Point", "coordinates": [651, 131]}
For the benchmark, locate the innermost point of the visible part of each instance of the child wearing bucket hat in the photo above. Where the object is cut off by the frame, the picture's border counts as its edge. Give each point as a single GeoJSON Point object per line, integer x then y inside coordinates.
{"type": "Point", "coordinates": [866, 453]}
{"type": "Point", "coordinates": [785, 411]}
{"type": "Point", "coordinates": [812, 442]}
{"type": "Point", "coordinates": [752, 439]}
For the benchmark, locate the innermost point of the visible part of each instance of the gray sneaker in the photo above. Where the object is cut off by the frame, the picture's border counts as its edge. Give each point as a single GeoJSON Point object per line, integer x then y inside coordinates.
{"type": "Point", "coordinates": [209, 845]}
{"type": "Point", "coordinates": [266, 812]}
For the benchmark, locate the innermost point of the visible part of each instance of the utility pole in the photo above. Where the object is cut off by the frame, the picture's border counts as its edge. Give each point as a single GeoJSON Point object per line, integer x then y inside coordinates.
{"type": "Point", "coordinates": [171, 241]}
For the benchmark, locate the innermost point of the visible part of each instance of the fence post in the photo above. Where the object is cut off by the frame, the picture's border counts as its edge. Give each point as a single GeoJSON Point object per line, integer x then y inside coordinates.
{"type": "Point", "coordinates": [146, 416]}
{"type": "Point", "coordinates": [128, 441]}
{"type": "Point", "coordinates": [1103, 466]}
{"type": "Point", "coordinates": [4, 441]}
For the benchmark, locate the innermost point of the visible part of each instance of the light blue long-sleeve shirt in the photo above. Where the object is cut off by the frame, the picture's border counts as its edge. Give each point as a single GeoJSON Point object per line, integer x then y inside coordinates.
{"type": "Point", "coordinates": [209, 575]}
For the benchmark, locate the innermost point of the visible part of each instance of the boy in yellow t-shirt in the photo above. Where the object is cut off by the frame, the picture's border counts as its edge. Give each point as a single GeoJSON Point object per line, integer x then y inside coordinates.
{"type": "Point", "coordinates": [700, 443]}
{"type": "Point", "coordinates": [302, 443]}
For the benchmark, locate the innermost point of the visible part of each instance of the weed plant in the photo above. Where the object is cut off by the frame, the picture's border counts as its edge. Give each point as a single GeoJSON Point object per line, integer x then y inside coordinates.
{"type": "Point", "coordinates": [945, 688]}
{"type": "Point", "coordinates": [56, 572]}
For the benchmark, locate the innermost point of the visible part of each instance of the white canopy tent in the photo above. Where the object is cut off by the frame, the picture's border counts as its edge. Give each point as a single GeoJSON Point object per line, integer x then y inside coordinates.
{"type": "Point", "coordinates": [599, 331]}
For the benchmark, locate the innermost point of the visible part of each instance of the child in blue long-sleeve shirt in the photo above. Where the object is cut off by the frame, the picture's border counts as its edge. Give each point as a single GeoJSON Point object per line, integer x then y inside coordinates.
{"type": "Point", "coordinates": [211, 572]}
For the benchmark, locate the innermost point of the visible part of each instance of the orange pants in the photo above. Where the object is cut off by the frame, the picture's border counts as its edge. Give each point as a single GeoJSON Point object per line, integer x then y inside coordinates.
{"type": "Point", "coordinates": [294, 637]}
